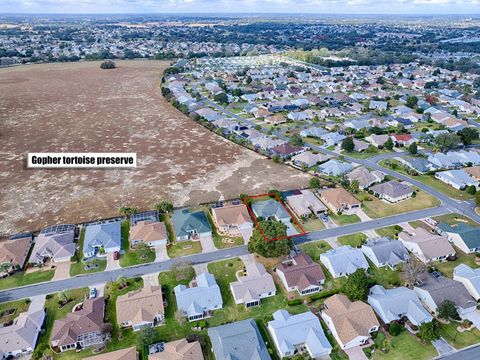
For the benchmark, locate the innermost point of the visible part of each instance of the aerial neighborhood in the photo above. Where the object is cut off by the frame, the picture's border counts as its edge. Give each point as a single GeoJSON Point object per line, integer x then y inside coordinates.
{"type": "Point", "coordinates": [375, 256]}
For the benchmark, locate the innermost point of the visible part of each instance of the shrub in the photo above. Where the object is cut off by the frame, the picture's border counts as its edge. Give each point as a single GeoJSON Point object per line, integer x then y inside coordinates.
{"type": "Point", "coordinates": [108, 64]}
{"type": "Point", "coordinates": [324, 294]}
{"type": "Point", "coordinates": [395, 329]}
{"type": "Point", "coordinates": [295, 302]}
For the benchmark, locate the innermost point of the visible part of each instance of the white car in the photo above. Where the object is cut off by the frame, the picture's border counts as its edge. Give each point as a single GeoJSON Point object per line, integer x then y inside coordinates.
{"type": "Point", "coordinates": [93, 293]}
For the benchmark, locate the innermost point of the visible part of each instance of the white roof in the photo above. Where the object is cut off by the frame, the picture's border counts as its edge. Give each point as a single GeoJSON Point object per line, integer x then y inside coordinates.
{"type": "Point", "coordinates": [345, 259]}
{"type": "Point", "coordinates": [23, 333]}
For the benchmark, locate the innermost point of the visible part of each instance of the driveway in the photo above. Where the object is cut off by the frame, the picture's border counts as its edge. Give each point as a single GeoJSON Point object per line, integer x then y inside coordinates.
{"type": "Point", "coordinates": [100, 289]}
{"type": "Point", "coordinates": [442, 347]}
{"type": "Point", "coordinates": [332, 241]}
{"type": "Point", "coordinates": [200, 268]}
{"type": "Point", "coordinates": [62, 270]}
{"type": "Point", "coordinates": [150, 279]}
{"type": "Point", "coordinates": [246, 234]}
{"type": "Point", "coordinates": [161, 253]}
{"type": "Point", "coordinates": [356, 353]}
{"type": "Point", "coordinates": [111, 263]}
{"type": "Point", "coordinates": [362, 215]}
{"type": "Point", "coordinates": [37, 303]}
{"type": "Point", "coordinates": [207, 244]}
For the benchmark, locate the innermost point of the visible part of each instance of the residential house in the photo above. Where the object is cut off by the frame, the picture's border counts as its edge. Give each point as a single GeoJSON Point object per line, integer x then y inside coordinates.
{"type": "Point", "coordinates": [286, 150]}
{"type": "Point", "coordinates": [143, 216]}
{"type": "Point", "coordinates": [276, 119]}
{"type": "Point", "coordinates": [313, 132]}
{"type": "Point", "coordinates": [458, 179]}
{"type": "Point", "coordinates": [365, 177]}
{"type": "Point", "coordinates": [20, 338]}
{"type": "Point", "coordinates": [141, 308]}
{"type": "Point", "coordinates": [332, 138]}
{"type": "Point", "coordinates": [257, 284]}
{"type": "Point", "coordinates": [378, 105]}
{"type": "Point", "coordinates": [265, 143]}
{"type": "Point", "coordinates": [271, 210]}
{"type": "Point", "coordinates": [179, 350]}
{"type": "Point", "coordinates": [308, 159]}
{"type": "Point", "coordinates": [105, 236]}
{"type": "Point", "coordinates": [305, 204]}
{"type": "Point", "coordinates": [300, 273]}
{"type": "Point", "coordinates": [419, 164]}
{"type": "Point", "coordinates": [402, 139]}
{"type": "Point", "coordinates": [426, 246]}
{"type": "Point", "coordinates": [296, 334]}
{"type": "Point", "coordinates": [470, 278]}
{"type": "Point", "coordinates": [434, 288]}
{"type": "Point", "coordinates": [240, 340]}
{"type": "Point", "coordinates": [82, 328]}
{"type": "Point", "coordinates": [359, 145]}
{"type": "Point", "coordinates": [343, 261]}
{"type": "Point", "coordinates": [56, 246]}
{"type": "Point", "coordinates": [14, 252]}
{"type": "Point", "coordinates": [233, 220]}
{"type": "Point", "coordinates": [334, 168]}
{"type": "Point", "coordinates": [395, 304]}
{"type": "Point", "coordinates": [385, 252]}
{"type": "Point", "coordinates": [463, 236]}
{"type": "Point", "coordinates": [151, 233]}
{"type": "Point", "coordinates": [200, 299]}
{"type": "Point", "coordinates": [351, 323]}
{"type": "Point", "coordinates": [190, 225]}
{"type": "Point", "coordinates": [339, 201]}
{"type": "Point", "coordinates": [377, 140]}
{"type": "Point", "coordinates": [123, 354]}
{"type": "Point", "coordinates": [474, 172]}
{"type": "Point", "coordinates": [392, 191]}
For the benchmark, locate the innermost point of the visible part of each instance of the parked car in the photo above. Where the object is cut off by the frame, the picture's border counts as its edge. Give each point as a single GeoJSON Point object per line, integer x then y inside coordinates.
{"type": "Point", "coordinates": [324, 218]}
{"type": "Point", "coordinates": [93, 293]}
{"type": "Point", "coordinates": [116, 255]}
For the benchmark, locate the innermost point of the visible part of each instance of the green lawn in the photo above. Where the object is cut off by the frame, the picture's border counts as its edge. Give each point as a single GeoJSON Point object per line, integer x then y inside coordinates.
{"type": "Point", "coordinates": [406, 347]}
{"type": "Point", "coordinates": [447, 267]}
{"type": "Point", "coordinates": [315, 248]}
{"type": "Point", "coordinates": [344, 219]}
{"type": "Point", "coordinates": [78, 267]}
{"type": "Point", "coordinates": [184, 248]}
{"type": "Point", "coordinates": [222, 241]}
{"type": "Point", "coordinates": [131, 256]}
{"type": "Point", "coordinates": [367, 154]}
{"type": "Point", "coordinates": [453, 219]}
{"type": "Point", "coordinates": [389, 231]}
{"type": "Point", "coordinates": [430, 181]}
{"type": "Point", "coordinates": [313, 224]}
{"type": "Point", "coordinates": [449, 333]}
{"type": "Point", "coordinates": [22, 279]}
{"type": "Point", "coordinates": [9, 311]}
{"type": "Point", "coordinates": [354, 240]}
{"type": "Point", "coordinates": [377, 208]}
{"type": "Point", "coordinates": [384, 276]}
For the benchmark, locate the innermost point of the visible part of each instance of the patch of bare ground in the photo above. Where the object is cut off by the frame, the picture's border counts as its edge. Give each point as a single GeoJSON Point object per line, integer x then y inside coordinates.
{"type": "Point", "coordinates": [78, 107]}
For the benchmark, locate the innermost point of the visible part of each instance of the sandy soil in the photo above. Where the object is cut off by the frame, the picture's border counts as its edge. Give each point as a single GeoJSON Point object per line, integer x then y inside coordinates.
{"type": "Point", "coordinates": [79, 107]}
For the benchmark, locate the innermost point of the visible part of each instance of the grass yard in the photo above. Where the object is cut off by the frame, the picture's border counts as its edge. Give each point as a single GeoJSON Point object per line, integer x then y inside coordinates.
{"type": "Point", "coordinates": [78, 268]}
{"type": "Point", "coordinates": [453, 219]}
{"type": "Point", "coordinates": [420, 224]}
{"type": "Point", "coordinates": [9, 311]}
{"type": "Point", "coordinates": [313, 224]}
{"type": "Point", "coordinates": [131, 256]}
{"type": "Point", "coordinates": [367, 154]}
{"type": "Point", "coordinates": [184, 248]}
{"type": "Point", "coordinates": [384, 276]}
{"type": "Point", "coordinates": [22, 279]}
{"type": "Point", "coordinates": [446, 267]}
{"type": "Point", "coordinates": [221, 241]}
{"type": "Point", "coordinates": [429, 180]}
{"type": "Point", "coordinates": [389, 231]}
{"type": "Point", "coordinates": [315, 248]}
{"type": "Point", "coordinates": [354, 240]}
{"type": "Point", "coordinates": [344, 219]}
{"type": "Point", "coordinates": [457, 339]}
{"type": "Point", "coordinates": [54, 312]}
{"type": "Point", "coordinates": [377, 208]}
{"type": "Point", "coordinates": [406, 347]}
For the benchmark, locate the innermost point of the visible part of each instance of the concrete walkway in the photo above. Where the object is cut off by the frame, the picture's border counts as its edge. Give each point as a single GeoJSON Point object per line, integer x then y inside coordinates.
{"type": "Point", "coordinates": [100, 289]}
{"type": "Point", "coordinates": [442, 347]}
{"type": "Point", "coordinates": [356, 353]}
{"type": "Point", "coordinates": [37, 303]}
{"type": "Point", "coordinates": [200, 268]}
{"type": "Point", "coordinates": [332, 241]}
{"type": "Point", "coordinates": [207, 245]}
{"type": "Point", "coordinates": [363, 216]}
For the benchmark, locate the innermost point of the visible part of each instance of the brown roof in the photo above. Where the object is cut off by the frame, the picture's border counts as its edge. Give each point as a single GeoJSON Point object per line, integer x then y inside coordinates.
{"type": "Point", "coordinates": [351, 319]}
{"type": "Point", "coordinates": [140, 305]}
{"type": "Point", "coordinates": [286, 149]}
{"type": "Point", "coordinates": [15, 251]}
{"type": "Point", "coordinates": [123, 354]}
{"type": "Point", "coordinates": [179, 350]}
{"type": "Point", "coordinates": [473, 171]}
{"type": "Point", "coordinates": [65, 331]}
{"type": "Point", "coordinates": [431, 245]}
{"type": "Point", "coordinates": [301, 271]}
{"type": "Point", "coordinates": [147, 231]}
{"type": "Point", "coordinates": [338, 197]}
{"type": "Point", "coordinates": [231, 215]}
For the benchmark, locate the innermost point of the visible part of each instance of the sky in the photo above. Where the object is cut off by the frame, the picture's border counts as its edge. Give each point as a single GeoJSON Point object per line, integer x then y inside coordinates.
{"type": "Point", "coordinates": [243, 6]}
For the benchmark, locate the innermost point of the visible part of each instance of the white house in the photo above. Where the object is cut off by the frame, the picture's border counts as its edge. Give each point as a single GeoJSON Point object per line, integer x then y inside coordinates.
{"type": "Point", "coordinates": [470, 278]}
{"type": "Point", "coordinates": [343, 261]}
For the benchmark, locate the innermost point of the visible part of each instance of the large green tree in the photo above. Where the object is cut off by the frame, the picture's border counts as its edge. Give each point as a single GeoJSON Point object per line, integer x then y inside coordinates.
{"type": "Point", "coordinates": [447, 141]}
{"type": "Point", "coordinates": [348, 144]}
{"type": "Point", "coordinates": [467, 135]}
{"type": "Point", "coordinates": [356, 287]}
{"type": "Point", "coordinates": [262, 245]}
{"type": "Point", "coordinates": [429, 331]}
{"type": "Point", "coordinates": [447, 310]}
{"type": "Point", "coordinates": [388, 144]}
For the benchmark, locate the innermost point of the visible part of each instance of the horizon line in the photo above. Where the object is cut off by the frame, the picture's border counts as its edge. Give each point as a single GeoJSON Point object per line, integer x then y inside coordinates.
{"type": "Point", "coordinates": [243, 13]}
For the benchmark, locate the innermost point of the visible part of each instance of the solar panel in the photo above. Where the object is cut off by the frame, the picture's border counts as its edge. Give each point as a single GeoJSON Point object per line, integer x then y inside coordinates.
{"type": "Point", "coordinates": [144, 216]}
{"type": "Point", "coordinates": [58, 229]}
{"type": "Point", "coordinates": [20, 236]}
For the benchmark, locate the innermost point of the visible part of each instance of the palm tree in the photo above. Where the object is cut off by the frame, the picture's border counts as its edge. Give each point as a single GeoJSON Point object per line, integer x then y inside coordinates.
{"type": "Point", "coordinates": [163, 206]}
{"type": "Point", "coordinates": [63, 297]}
{"type": "Point", "coordinates": [121, 282]}
{"type": "Point", "coordinates": [126, 211]}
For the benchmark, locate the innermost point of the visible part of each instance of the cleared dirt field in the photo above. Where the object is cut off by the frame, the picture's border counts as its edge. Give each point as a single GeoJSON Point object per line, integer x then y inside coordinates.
{"type": "Point", "coordinates": [79, 107]}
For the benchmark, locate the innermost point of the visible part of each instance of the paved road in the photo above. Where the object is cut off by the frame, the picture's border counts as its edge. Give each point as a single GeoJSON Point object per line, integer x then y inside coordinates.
{"type": "Point", "coordinates": [102, 277]}
{"type": "Point", "coordinates": [472, 353]}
